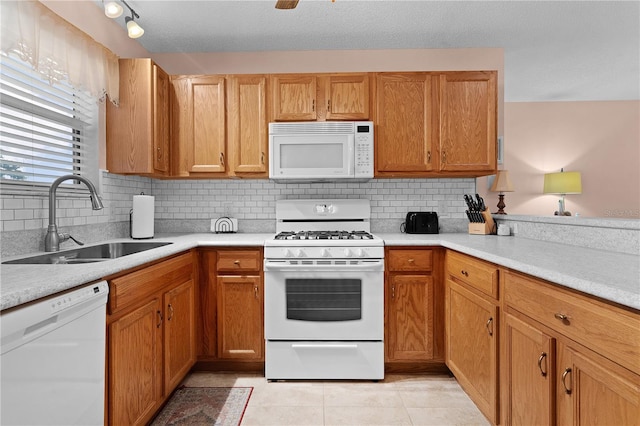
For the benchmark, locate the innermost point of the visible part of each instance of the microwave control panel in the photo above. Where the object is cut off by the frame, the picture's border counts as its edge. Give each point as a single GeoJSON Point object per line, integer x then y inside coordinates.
{"type": "Point", "coordinates": [363, 148]}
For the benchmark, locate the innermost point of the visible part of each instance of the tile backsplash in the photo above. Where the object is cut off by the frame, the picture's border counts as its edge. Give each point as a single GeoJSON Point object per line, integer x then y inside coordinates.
{"type": "Point", "coordinates": [189, 206]}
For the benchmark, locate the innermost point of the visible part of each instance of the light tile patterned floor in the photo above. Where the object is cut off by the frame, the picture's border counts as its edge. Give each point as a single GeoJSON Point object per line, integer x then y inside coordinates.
{"type": "Point", "coordinates": [397, 400]}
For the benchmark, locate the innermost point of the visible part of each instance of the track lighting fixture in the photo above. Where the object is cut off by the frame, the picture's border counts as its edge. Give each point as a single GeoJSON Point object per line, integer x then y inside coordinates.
{"type": "Point", "coordinates": [113, 10]}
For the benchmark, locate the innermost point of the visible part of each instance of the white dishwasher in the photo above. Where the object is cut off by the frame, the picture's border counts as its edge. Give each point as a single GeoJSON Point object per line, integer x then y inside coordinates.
{"type": "Point", "coordinates": [52, 361]}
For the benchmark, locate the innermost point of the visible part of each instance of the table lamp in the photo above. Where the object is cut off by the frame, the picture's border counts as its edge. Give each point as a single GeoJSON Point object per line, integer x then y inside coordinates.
{"type": "Point", "coordinates": [562, 183]}
{"type": "Point", "coordinates": [501, 183]}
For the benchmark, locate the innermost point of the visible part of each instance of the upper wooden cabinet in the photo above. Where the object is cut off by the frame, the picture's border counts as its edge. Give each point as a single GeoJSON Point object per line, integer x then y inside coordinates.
{"type": "Point", "coordinates": [199, 125]}
{"type": "Point", "coordinates": [311, 97]}
{"type": "Point", "coordinates": [468, 111]}
{"type": "Point", "coordinates": [436, 124]}
{"type": "Point", "coordinates": [248, 128]}
{"type": "Point", "coordinates": [138, 129]}
{"type": "Point", "coordinates": [405, 129]}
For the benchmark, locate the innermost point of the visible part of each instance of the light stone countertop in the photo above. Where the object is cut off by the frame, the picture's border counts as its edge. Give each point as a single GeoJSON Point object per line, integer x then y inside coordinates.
{"type": "Point", "coordinates": [609, 275]}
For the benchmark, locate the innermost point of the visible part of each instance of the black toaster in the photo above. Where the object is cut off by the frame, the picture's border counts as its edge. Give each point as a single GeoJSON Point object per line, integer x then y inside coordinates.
{"type": "Point", "coordinates": [421, 223]}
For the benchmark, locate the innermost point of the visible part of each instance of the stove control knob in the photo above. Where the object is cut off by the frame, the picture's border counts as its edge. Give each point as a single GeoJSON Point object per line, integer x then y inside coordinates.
{"type": "Point", "coordinates": [288, 253]}
{"type": "Point", "coordinates": [361, 253]}
{"type": "Point", "coordinates": [347, 253]}
{"type": "Point", "coordinates": [325, 253]}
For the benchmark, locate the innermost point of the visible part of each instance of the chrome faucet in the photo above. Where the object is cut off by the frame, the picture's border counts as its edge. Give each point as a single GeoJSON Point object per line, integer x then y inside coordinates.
{"type": "Point", "coordinates": [53, 239]}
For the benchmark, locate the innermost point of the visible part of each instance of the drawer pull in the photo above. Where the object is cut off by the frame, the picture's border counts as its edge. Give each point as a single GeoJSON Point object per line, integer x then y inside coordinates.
{"type": "Point", "coordinates": [543, 355]}
{"type": "Point", "coordinates": [564, 383]}
{"type": "Point", "coordinates": [489, 326]}
{"type": "Point", "coordinates": [255, 292]}
{"type": "Point", "coordinates": [411, 260]}
{"type": "Point", "coordinates": [236, 262]}
{"type": "Point", "coordinates": [393, 292]}
{"type": "Point", "coordinates": [170, 312]}
{"type": "Point", "coordinates": [562, 317]}
{"type": "Point", "coordinates": [465, 273]}
{"type": "Point", "coordinates": [159, 324]}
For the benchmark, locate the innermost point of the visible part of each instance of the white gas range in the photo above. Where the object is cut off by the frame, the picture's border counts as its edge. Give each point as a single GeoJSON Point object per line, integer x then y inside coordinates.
{"type": "Point", "coordinates": [324, 292]}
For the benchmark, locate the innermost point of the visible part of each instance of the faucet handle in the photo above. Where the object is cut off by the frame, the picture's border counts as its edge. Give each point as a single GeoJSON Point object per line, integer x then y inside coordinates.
{"type": "Point", "coordinates": [65, 236]}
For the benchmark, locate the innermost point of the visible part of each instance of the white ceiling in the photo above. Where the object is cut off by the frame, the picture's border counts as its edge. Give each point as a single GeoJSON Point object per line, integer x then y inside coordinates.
{"type": "Point", "coordinates": [553, 50]}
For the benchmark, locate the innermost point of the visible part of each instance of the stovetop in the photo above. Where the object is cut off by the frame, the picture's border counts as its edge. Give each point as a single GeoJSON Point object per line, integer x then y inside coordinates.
{"type": "Point", "coordinates": [324, 235]}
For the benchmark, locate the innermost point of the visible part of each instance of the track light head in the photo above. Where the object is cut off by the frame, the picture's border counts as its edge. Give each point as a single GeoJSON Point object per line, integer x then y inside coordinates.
{"type": "Point", "coordinates": [133, 29]}
{"type": "Point", "coordinates": [113, 9]}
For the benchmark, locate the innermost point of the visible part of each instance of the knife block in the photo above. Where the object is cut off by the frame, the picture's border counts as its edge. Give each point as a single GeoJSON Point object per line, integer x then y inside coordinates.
{"type": "Point", "coordinates": [486, 228]}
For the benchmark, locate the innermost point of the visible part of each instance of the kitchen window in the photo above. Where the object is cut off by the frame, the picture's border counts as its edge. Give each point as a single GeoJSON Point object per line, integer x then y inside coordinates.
{"type": "Point", "coordinates": [46, 130]}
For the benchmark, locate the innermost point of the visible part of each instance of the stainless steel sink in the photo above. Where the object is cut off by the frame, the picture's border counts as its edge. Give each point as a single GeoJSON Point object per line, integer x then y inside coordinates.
{"type": "Point", "coordinates": [90, 254]}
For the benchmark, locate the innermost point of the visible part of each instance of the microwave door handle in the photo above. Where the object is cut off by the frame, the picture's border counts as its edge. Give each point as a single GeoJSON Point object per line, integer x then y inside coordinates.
{"type": "Point", "coordinates": [351, 155]}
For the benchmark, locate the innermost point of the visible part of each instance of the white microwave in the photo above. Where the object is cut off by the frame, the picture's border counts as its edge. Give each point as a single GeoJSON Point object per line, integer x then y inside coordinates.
{"type": "Point", "coordinates": [321, 151]}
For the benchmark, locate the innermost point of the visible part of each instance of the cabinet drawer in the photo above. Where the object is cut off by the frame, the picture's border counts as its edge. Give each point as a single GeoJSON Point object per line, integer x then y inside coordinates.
{"type": "Point", "coordinates": [401, 260]}
{"type": "Point", "coordinates": [133, 287]}
{"type": "Point", "coordinates": [606, 329]}
{"type": "Point", "coordinates": [239, 261]}
{"type": "Point", "coordinates": [476, 273]}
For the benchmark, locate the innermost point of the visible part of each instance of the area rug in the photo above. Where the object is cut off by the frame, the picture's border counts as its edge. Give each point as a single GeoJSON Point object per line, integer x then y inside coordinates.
{"type": "Point", "coordinates": [205, 406]}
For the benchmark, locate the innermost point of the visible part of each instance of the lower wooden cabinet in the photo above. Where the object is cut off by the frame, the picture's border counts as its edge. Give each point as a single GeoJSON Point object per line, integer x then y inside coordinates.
{"type": "Point", "coordinates": [472, 329]}
{"type": "Point", "coordinates": [135, 365]}
{"type": "Point", "coordinates": [414, 333]}
{"type": "Point", "coordinates": [151, 338]}
{"type": "Point", "coordinates": [232, 307]}
{"type": "Point", "coordinates": [554, 366]}
{"type": "Point", "coordinates": [529, 368]}
{"type": "Point", "coordinates": [472, 346]}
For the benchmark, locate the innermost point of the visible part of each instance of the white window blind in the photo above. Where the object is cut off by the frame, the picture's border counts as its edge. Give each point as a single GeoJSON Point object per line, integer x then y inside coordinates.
{"type": "Point", "coordinates": [46, 131]}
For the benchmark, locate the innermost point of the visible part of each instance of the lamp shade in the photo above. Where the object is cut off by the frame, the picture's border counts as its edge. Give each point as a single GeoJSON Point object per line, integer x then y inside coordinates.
{"type": "Point", "coordinates": [563, 183]}
{"type": "Point", "coordinates": [112, 9]}
{"type": "Point", "coordinates": [133, 29]}
{"type": "Point", "coordinates": [502, 183]}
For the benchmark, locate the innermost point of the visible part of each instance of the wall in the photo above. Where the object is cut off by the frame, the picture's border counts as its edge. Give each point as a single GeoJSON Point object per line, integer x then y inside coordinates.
{"type": "Point", "coordinates": [599, 139]}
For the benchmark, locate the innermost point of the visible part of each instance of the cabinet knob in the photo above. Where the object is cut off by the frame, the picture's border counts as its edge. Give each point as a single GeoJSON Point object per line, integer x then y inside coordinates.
{"type": "Point", "coordinates": [562, 317]}
{"type": "Point", "coordinates": [236, 262]}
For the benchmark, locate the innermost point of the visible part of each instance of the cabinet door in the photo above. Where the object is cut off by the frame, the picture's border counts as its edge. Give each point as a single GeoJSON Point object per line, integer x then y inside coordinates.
{"type": "Point", "coordinates": [472, 346]}
{"type": "Point", "coordinates": [135, 365]}
{"type": "Point", "coordinates": [530, 356]}
{"type": "Point", "coordinates": [468, 120]}
{"type": "Point", "coordinates": [209, 131]}
{"type": "Point", "coordinates": [248, 127]}
{"type": "Point", "coordinates": [240, 326]}
{"type": "Point", "coordinates": [137, 131]}
{"type": "Point", "coordinates": [179, 334]}
{"type": "Point", "coordinates": [161, 121]}
{"type": "Point", "coordinates": [592, 390]}
{"type": "Point", "coordinates": [347, 96]}
{"type": "Point", "coordinates": [410, 318]}
{"type": "Point", "coordinates": [404, 124]}
{"type": "Point", "coordinates": [293, 97]}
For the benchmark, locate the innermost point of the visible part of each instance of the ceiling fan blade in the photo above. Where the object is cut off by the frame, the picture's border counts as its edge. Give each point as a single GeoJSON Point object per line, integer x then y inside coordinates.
{"type": "Point", "coordinates": [286, 4]}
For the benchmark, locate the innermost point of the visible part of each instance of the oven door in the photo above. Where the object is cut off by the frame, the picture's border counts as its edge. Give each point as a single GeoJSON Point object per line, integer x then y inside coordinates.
{"type": "Point", "coordinates": [324, 302]}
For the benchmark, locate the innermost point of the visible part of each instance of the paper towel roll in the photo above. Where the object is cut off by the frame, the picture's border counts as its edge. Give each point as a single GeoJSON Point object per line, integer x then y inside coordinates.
{"type": "Point", "coordinates": [142, 216]}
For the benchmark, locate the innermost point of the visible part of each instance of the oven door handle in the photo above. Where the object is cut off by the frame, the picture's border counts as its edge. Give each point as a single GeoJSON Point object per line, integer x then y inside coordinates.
{"type": "Point", "coordinates": [324, 346]}
{"type": "Point", "coordinates": [377, 265]}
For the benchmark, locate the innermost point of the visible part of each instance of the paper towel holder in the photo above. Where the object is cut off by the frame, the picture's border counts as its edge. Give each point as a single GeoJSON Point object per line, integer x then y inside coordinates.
{"type": "Point", "coordinates": [131, 227]}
